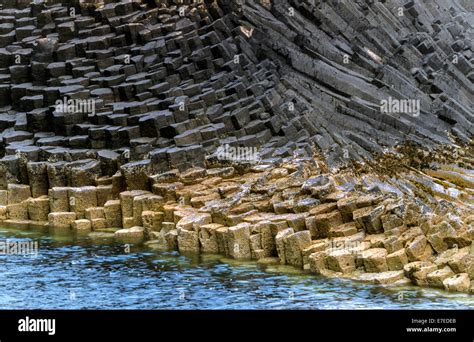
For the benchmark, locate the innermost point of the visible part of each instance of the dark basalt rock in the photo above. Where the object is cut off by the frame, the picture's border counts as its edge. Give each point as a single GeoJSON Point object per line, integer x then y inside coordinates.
{"type": "Point", "coordinates": [136, 174]}
{"type": "Point", "coordinates": [38, 178]}
{"type": "Point", "coordinates": [170, 88]}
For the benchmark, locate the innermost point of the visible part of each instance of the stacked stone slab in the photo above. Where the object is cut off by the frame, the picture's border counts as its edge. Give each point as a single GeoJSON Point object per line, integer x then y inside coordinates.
{"type": "Point", "coordinates": [92, 88]}
{"type": "Point", "coordinates": [164, 84]}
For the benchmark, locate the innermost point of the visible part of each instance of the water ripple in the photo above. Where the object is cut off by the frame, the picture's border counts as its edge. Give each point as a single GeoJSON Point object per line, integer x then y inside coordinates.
{"type": "Point", "coordinates": [77, 274]}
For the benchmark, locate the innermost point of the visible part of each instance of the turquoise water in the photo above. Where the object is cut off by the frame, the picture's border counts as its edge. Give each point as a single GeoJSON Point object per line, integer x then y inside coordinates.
{"type": "Point", "coordinates": [77, 273]}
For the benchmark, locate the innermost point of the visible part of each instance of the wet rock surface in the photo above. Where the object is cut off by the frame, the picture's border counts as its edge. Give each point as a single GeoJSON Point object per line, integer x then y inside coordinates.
{"type": "Point", "coordinates": [239, 217]}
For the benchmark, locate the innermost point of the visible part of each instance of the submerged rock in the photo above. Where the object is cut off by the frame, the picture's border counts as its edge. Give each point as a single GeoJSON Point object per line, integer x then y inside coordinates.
{"type": "Point", "coordinates": [130, 235]}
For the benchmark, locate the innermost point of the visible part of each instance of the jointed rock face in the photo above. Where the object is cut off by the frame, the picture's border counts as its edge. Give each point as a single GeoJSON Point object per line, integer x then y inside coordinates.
{"type": "Point", "coordinates": [335, 136]}
{"type": "Point", "coordinates": [344, 62]}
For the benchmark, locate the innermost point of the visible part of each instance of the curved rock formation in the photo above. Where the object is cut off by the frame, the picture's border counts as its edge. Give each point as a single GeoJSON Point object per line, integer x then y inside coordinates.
{"type": "Point", "coordinates": [341, 60]}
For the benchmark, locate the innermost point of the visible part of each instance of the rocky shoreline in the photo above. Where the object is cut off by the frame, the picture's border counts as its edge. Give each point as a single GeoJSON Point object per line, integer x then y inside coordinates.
{"type": "Point", "coordinates": [334, 224]}
{"type": "Point", "coordinates": [113, 116]}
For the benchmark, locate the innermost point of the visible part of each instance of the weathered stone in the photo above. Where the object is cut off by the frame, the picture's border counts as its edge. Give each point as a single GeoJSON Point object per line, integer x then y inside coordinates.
{"type": "Point", "coordinates": [294, 245]}
{"type": "Point", "coordinates": [375, 260]}
{"type": "Point", "coordinates": [61, 220]}
{"type": "Point", "coordinates": [341, 261]}
{"type": "Point", "coordinates": [104, 193]}
{"type": "Point", "coordinates": [82, 198]}
{"type": "Point", "coordinates": [310, 223]}
{"type": "Point", "coordinates": [208, 238]}
{"type": "Point", "coordinates": [396, 260]}
{"type": "Point", "coordinates": [188, 240]}
{"type": "Point", "coordinates": [319, 186]}
{"type": "Point", "coordinates": [154, 203]}
{"type": "Point", "coordinates": [139, 205]}
{"type": "Point", "coordinates": [133, 235]}
{"type": "Point", "coordinates": [392, 244]}
{"type": "Point", "coordinates": [416, 248]}
{"type": "Point", "coordinates": [18, 211]}
{"type": "Point", "coordinates": [94, 213]}
{"type": "Point", "coordinates": [368, 218]}
{"type": "Point", "coordinates": [305, 205]}
{"type": "Point", "coordinates": [418, 271]}
{"type": "Point", "coordinates": [82, 226]}
{"type": "Point", "coordinates": [221, 234]}
{"type": "Point", "coordinates": [18, 193]}
{"type": "Point", "coordinates": [170, 90]}
{"type": "Point", "coordinates": [193, 221]}
{"type": "Point", "coordinates": [280, 243]}
{"type": "Point", "coordinates": [151, 221]}
{"type": "Point", "coordinates": [436, 278]}
{"type": "Point", "coordinates": [38, 178]}
{"type": "Point", "coordinates": [460, 260]}
{"type": "Point", "coordinates": [317, 262]}
{"type": "Point", "coordinates": [346, 229]}
{"type": "Point", "coordinates": [38, 208]}
{"type": "Point", "coordinates": [410, 234]}
{"type": "Point", "coordinates": [108, 162]}
{"type": "Point", "coordinates": [297, 222]}
{"type": "Point", "coordinates": [98, 223]}
{"type": "Point", "coordinates": [267, 240]}
{"type": "Point", "coordinates": [326, 222]}
{"type": "Point", "coordinates": [347, 206]}
{"type": "Point", "coordinates": [375, 240]}
{"type": "Point", "coordinates": [3, 197]}
{"type": "Point", "coordinates": [239, 241]}
{"type": "Point", "coordinates": [126, 200]}
{"type": "Point", "coordinates": [136, 174]}
{"type": "Point", "coordinates": [390, 221]}
{"type": "Point", "coordinates": [323, 208]}
{"type": "Point", "coordinates": [368, 200]}
{"type": "Point", "coordinates": [171, 238]}
{"type": "Point", "coordinates": [9, 171]}
{"type": "Point", "coordinates": [256, 251]}
{"type": "Point", "coordinates": [313, 248]}
{"type": "Point", "coordinates": [58, 199]}
{"type": "Point", "coordinates": [57, 176]}
{"type": "Point", "coordinates": [200, 201]}
{"type": "Point", "coordinates": [383, 278]}
{"type": "Point", "coordinates": [83, 173]}
{"type": "Point", "coordinates": [459, 282]}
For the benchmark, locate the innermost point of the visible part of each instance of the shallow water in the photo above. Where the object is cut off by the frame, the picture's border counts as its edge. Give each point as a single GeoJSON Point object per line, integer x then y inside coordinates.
{"type": "Point", "coordinates": [75, 273]}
